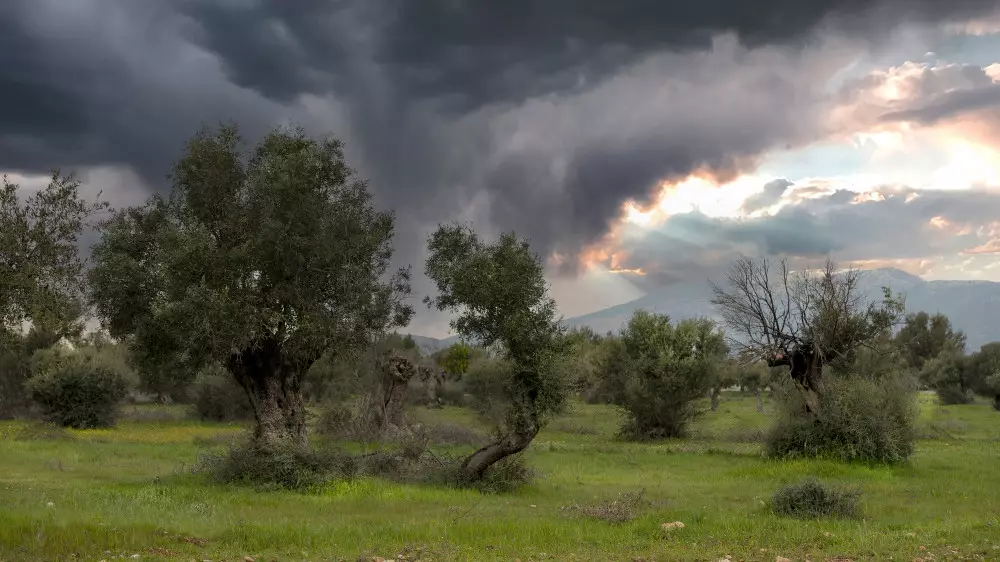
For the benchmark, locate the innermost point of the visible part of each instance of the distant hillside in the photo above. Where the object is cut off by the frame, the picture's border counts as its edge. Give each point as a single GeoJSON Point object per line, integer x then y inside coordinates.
{"type": "Point", "coordinates": [972, 306]}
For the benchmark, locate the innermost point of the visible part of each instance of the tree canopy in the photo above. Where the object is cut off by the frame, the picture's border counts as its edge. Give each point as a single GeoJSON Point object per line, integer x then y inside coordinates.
{"type": "Point", "coordinates": [41, 272]}
{"type": "Point", "coordinates": [500, 297]}
{"type": "Point", "coordinates": [262, 260]}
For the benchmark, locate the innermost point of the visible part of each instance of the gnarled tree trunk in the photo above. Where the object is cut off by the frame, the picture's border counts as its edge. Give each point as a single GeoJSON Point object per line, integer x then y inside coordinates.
{"type": "Point", "coordinates": [475, 465]}
{"type": "Point", "coordinates": [760, 399]}
{"type": "Point", "coordinates": [806, 370]}
{"type": "Point", "coordinates": [396, 378]}
{"type": "Point", "coordinates": [274, 389]}
{"type": "Point", "coordinates": [716, 392]}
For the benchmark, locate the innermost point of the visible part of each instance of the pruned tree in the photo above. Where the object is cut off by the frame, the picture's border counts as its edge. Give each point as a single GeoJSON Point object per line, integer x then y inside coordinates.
{"type": "Point", "coordinates": [803, 321]}
{"type": "Point", "coordinates": [398, 370]}
{"type": "Point", "coordinates": [260, 260]}
{"type": "Point", "coordinates": [499, 294]}
{"type": "Point", "coordinates": [41, 279]}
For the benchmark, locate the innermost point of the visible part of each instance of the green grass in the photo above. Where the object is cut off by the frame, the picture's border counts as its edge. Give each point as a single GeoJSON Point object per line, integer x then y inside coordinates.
{"type": "Point", "coordinates": [97, 495]}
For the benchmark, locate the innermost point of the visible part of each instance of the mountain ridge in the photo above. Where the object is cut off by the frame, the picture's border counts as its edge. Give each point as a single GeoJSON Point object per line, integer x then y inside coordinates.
{"type": "Point", "coordinates": [973, 306]}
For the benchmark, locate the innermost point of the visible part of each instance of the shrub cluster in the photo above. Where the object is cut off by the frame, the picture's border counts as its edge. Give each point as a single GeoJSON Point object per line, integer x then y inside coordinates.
{"type": "Point", "coordinates": [80, 389]}
{"type": "Point", "coordinates": [286, 465]}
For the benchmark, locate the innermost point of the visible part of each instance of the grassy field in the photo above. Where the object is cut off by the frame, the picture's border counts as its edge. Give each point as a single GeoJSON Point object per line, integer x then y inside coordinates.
{"type": "Point", "coordinates": [129, 493]}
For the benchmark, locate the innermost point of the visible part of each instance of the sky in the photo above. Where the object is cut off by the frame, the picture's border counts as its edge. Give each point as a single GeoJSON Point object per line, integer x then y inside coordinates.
{"type": "Point", "coordinates": [637, 143]}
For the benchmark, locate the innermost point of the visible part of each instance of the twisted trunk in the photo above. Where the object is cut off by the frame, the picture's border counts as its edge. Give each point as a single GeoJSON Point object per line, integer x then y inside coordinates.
{"type": "Point", "coordinates": [716, 392]}
{"type": "Point", "coordinates": [806, 370]}
{"type": "Point", "coordinates": [396, 379]}
{"type": "Point", "coordinates": [274, 388]}
{"type": "Point", "coordinates": [760, 399]}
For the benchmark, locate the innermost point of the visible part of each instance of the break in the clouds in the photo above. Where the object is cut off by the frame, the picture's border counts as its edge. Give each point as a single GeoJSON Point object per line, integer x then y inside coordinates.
{"type": "Point", "coordinates": [542, 116]}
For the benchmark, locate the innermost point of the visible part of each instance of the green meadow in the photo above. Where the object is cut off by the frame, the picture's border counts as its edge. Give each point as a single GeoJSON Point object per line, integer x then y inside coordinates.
{"type": "Point", "coordinates": [130, 493]}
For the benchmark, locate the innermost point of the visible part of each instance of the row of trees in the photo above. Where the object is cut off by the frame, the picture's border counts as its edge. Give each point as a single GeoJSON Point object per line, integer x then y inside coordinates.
{"type": "Point", "coordinates": [272, 262]}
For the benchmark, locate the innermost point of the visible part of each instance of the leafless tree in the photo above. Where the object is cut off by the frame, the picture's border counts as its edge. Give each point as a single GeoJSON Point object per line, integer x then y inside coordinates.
{"type": "Point", "coordinates": [803, 320]}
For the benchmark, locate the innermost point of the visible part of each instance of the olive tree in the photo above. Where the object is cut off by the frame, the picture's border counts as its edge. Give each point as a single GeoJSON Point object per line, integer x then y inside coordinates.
{"type": "Point", "coordinates": [657, 370]}
{"type": "Point", "coordinates": [261, 260]}
{"type": "Point", "coordinates": [40, 273]}
{"type": "Point", "coordinates": [500, 298]}
{"type": "Point", "coordinates": [803, 321]}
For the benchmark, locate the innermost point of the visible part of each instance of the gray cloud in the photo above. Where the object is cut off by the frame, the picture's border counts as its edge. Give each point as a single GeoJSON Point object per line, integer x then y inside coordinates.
{"type": "Point", "coordinates": [541, 116]}
{"type": "Point", "coordinates": [899, 227]}
{"type": "Point", "coordinates": [770, 195]}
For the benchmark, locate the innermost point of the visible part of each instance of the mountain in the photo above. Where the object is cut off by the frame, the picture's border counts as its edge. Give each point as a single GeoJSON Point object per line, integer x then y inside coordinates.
{"type": "Point", "coordinates": [972, 306]}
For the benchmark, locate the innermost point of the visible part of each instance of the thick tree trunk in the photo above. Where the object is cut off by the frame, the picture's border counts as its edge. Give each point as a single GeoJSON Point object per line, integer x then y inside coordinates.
{"type": "Point", "coordinates": [806, 369]}
{"type": "Point", "coordinates": [996, 402]}
{"type": "Point", "coordinates": [396, 379]}
{"type": "Point", "coordinates": [716, 392]}
{"type": "Point", "coordinates": [274, 389]}
{"type": "Point", "coordinates": [476, 464]}
{"type": "Point", "coordinates": [760, 399]}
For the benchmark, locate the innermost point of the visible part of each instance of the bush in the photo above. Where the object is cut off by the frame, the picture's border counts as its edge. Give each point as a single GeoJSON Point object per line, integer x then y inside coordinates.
{"type": "Point", "coordinates": [658, 371]}
{"type": "Point", "coordinates": [954, 395]}
{"type": "Point", "coordinates": [810, 499]}
{"type": "Point", "coordinates": [284, 466]}
{"type": "Point", "coordinates": [81, 389]}
{"type": "Point", "coordinates": [218, 397]}
{"type": "Point", "coordinates": [863, 419]}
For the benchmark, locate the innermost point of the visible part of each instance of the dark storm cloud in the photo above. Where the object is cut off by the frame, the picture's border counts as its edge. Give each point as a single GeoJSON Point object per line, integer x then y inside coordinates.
{"type": "Point", "coordinates": [435, 97]}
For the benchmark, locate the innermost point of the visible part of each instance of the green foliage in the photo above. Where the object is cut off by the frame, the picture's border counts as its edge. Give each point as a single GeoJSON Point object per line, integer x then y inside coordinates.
{"type": "Point", "coordinates": [810, 499]}
{"type": "Point", "coordinates": [40, 269]}
{"type": "Point", "coordinates": [499, 294]}
{"type": "Point", "coordinates": [866, 418]}
{"type": "Point", "coordinates": [486, 384]}
{"type": "Point", "coordinates": [456, 360]}
{"type": "Point", "coordinates": [924, 337]}
{"type": "Point", "coordinates": [948, 375]}
{"type": "Point", "coordinates": [81, 389]}
{"type": "Point", "coordinates": [656, 371]}
{"type": "Point", "coordinates": [257, 260]}
{"type": "Point", "coordinates": [218, 397]}
{"type": "Point", "coordinates": [15, 368]}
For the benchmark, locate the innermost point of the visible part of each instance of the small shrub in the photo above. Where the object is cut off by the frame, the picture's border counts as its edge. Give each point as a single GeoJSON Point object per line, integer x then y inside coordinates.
{"type": "Point", "coordinates": [284, 466]}
{"type": "Point", "coordinates": [82, 389]}
{"type": "Point", "coordinates": [811, 499]}
{"type": "Point", "coordinates": [218, 397]}
{"type": "Point", "coordinates": [622, 509]}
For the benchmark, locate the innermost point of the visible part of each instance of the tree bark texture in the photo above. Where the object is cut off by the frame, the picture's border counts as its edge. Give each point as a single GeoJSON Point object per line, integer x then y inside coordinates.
{"type": "Point", "coordinates": [806, 370]}
{"type": "Point", "coordinates": [760, 399]}
{"type": "Point", "coordinates": [716, 392]}
{"type": "Point", "coordinates": [274, 387]}
{"type": "Point", "coordinates": [396, 378]}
